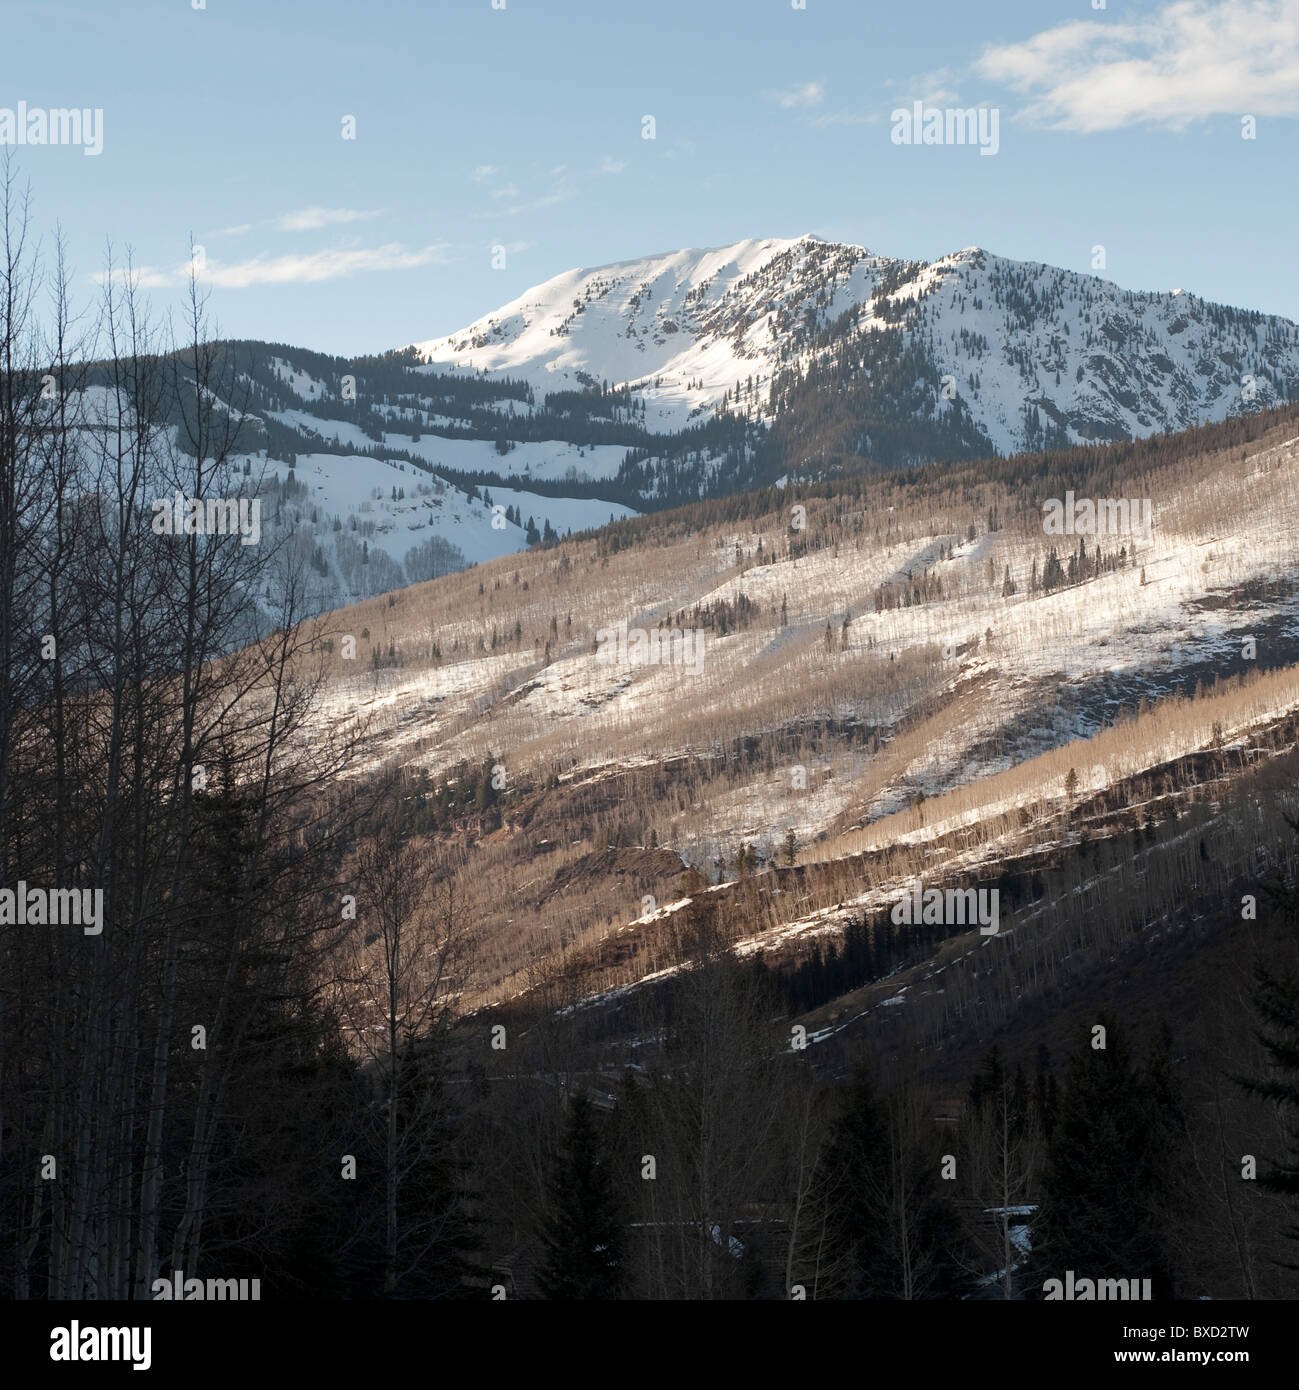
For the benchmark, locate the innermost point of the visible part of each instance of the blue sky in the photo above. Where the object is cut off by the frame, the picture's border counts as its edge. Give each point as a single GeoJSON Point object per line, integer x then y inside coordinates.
{"type": "Point", "coordinates": [522, 127]}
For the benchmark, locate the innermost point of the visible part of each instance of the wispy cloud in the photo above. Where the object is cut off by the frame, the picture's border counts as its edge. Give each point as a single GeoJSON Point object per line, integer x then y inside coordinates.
{"type": "Point", "coordinates": [1191, 60]}
{"type": "Point", "coordinates": [322, 265]}
{"type": "Point", "coordinates": [303, 269]}
{"type": "Point", "coordinates": [561, 187]}
{"type": "Point", "coordinates": [537, 189]}
{"type": "Point", "coordinates": [808, 94]}
{"type": "Point", "coordinates": [935, 88]}
{"type": "Point", "coordinates": [312, 219]}
{"type": "Point", "coordinates": [528, 193]}
{"type": "Point", "coordinates": [144, 277]}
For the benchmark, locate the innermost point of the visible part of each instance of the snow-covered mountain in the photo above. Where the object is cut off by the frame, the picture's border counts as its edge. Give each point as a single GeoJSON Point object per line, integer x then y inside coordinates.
{"type": "Point", "coordinates": [1011, 354]}
{"type": "Point", "coordinates": [906, 687]}
{"type": "Point", "coordinates": [371, 526]}
{"type": "Point", "coordinates": [374, 475]}
{"type": "Point", "coordinates": [663, 380]}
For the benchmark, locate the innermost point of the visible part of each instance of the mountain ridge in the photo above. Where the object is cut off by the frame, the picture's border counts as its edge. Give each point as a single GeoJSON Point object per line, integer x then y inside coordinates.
{"type": "Point", "coordinates": [702, 373]}
{"type": "Point", "coordinates": [685, 331]}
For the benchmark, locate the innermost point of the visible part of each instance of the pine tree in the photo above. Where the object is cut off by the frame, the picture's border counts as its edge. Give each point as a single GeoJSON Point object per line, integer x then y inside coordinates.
{"type": "Point", "coordinates": [1106, 1185]}
{"type": "Point", "coordinates": [1046, 1092]}
{"type": "Point", "coordinates": [581, 1235]}
{"type": "Point", "coordinates": [1276, 1002]}
{"type": "Point", "coordinates": [438, 1237]}
{"type": "Point", "coordinates": [999, 1146]}
{"type": "Point", "coordinates": [888, 1231]}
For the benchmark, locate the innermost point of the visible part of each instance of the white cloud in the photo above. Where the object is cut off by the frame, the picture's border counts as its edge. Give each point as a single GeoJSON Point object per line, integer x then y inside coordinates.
{"type": "Point", "coordinates": [312, 219]}
{"type": "Point", "coordinates": [562, 187]}
{"type": "Point", "coordinates": [240, 230]}
{"type": "Point", "coordinates": [808, 94]}
{"type": "Point", "coordinates": [611, 166]}
{"type": "Point", "coordinates": [307, 269]}
{"type": "Point", "coordinates": [484, 171]}
{"type": "Point", "coordinates": [321, 265]}
{"type": "Point", "coordinates": [936, 88]}
{"type": "Point", "coordinates": [143, 277]}
{"type": "Point", "coordinates": [1192, 60]}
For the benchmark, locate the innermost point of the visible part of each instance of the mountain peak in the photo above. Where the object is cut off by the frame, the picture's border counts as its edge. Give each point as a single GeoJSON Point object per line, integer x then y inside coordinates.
{"type": "Point", "coordinates": [1038, 356]}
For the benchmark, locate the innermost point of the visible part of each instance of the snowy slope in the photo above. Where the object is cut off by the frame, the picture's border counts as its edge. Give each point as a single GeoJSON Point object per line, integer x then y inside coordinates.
{"type": "Point", "coordinates": [697, 373]}
{"type": "Point", "coordinates": [351, 497]}
{"type": "Point", "coordinates": [1142, 627]}
{"type": "Point", "coordinates": [681, 328]}
{"type": "Point", "coordinates": [689, 329]}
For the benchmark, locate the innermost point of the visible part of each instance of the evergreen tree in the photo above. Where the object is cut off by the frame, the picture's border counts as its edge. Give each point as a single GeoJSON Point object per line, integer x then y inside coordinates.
{"type": "Point", "coordinates": [438, 1235]}
{"type": "Point", "coordinates": [989, 1079]}
{"type": "Point", "coordinates": [1046, 1092]}
{"type": "Point", "coordinates": [581, 1235]}
{"type": "Point", "coordinates": [1276, 1002]}
{"type": "Point", "coordinates": [999, 1146]}
{"type": "Point", "coordinates": [1107, 1182]}
{"type": "Point", "coordinates": [889, 1233]}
